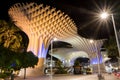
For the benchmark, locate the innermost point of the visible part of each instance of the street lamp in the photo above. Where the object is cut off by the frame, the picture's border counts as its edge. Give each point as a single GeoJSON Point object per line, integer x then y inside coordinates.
{"type": "Point", "coordinates": [104, 15]}
{"type": "Point", "coordinates": [54, 39]}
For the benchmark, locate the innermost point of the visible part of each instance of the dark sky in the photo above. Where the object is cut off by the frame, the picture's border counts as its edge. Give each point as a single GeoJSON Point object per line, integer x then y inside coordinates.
{"type": "Point", "coordinates": [81, 11]}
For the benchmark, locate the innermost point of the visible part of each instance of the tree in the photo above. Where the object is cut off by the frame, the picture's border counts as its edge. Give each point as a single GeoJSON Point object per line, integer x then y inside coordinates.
{"type": "Point", "coordinates": [111, 47]}
{"type": "Point", "coordinates": [11, 61]}
{"type": "Point", "coordinates": [76, 63]}
{"type": "Point", "coordinates": [60, 68]}
{"type": "Point", "coordinates": [10, 36]}
{"type": "Point", "coordinates": [28, 59]}
{"type": "Point", "coordinates": [13, 49]}
{"type": "Point", "coordinates": [6, 62]}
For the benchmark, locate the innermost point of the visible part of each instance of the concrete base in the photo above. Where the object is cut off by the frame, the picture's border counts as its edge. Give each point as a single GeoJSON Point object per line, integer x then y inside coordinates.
{"type": "Point", "coordinates": [36, 71]}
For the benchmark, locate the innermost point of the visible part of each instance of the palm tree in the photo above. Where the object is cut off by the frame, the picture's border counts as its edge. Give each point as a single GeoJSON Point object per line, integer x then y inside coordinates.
{"type": "Point", "coordinates": [10, 36]}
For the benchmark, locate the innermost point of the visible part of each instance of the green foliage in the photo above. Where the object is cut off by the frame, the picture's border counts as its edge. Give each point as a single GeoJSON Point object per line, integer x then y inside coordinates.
{"type": "Point", "coordinates": [13, 45]}
{"type": "Point", "coordinates": [5, 56]}
{"type": "Point", "coordinates": [6, 60]}
{"type": "Point", "coordinates": [28, 59]}
{"type": "Point", "coordinates": [15, 61]}
{"type": "Point", "coordinates": [76, 63]}
{"type": "Point", "coordinates": [58, 63]}
{"type": "Point", "coordinates": [60, 68]}
{"type": "Point", "coordinates": [3, 75]}
{"type": "Point", "coordinates": [10, 36]}
{"type": "Point", "coordinates": [111, 47]}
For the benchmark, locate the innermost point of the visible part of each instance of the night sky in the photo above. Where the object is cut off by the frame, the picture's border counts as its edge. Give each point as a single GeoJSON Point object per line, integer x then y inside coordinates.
{"type": "Point", "coordinates": [83, 13]}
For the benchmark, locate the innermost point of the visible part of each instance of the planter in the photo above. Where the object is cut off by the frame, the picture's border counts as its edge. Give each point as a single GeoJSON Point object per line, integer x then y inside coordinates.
{"type": "Point", "coordinates": [77, 70]}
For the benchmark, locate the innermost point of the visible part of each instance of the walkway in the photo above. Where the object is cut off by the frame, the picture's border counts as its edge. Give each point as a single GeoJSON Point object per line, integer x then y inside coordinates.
{"type": "Point", "coordinates": [72, 77]}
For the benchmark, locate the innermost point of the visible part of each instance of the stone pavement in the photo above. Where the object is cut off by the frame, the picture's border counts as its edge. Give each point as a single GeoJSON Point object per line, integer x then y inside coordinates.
{"type": "Point", "coordinates": [71, 77]}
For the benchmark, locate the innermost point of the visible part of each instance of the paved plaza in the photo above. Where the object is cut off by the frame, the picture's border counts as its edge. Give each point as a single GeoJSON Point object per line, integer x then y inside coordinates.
{"type": "Point", "coordinates": [71, 77]}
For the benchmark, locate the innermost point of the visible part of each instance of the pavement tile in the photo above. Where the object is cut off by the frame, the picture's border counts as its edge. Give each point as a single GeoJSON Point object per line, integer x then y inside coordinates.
{"type": "Point", "coordinates": [71, 77]}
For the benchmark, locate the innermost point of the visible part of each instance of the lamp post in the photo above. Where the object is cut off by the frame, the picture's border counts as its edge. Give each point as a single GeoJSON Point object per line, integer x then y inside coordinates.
{"type": "Point", "coordinates": [54, 39]}
{"type": "Point", "coordinates": [51, 58]}
{"type": "Point", "coordinates": [104, 15]}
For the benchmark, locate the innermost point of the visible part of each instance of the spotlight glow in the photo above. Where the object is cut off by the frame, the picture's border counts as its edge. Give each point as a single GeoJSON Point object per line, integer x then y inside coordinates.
{"type": "Point", "coordinates": [104, 15]}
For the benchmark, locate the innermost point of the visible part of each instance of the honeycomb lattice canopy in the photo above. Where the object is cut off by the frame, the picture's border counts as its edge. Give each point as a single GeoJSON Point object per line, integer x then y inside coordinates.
{"type": "Point", "coordinates": [41, 24]}
{"type": "Point", "coordinates": [82, 46]}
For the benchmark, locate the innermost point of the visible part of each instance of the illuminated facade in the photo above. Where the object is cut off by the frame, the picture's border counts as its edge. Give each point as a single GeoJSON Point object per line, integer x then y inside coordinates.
{"type": "Point", "coordinates": [41, 24]}
{"type": "Point", "coordinates": [80, 46]}
{"type": "Point", "coordinates": [68, 55]}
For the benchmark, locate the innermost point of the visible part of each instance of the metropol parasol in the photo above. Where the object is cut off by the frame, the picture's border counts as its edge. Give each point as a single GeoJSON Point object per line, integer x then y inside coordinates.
{"type": "Point", "coordinates": [44, 23]}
